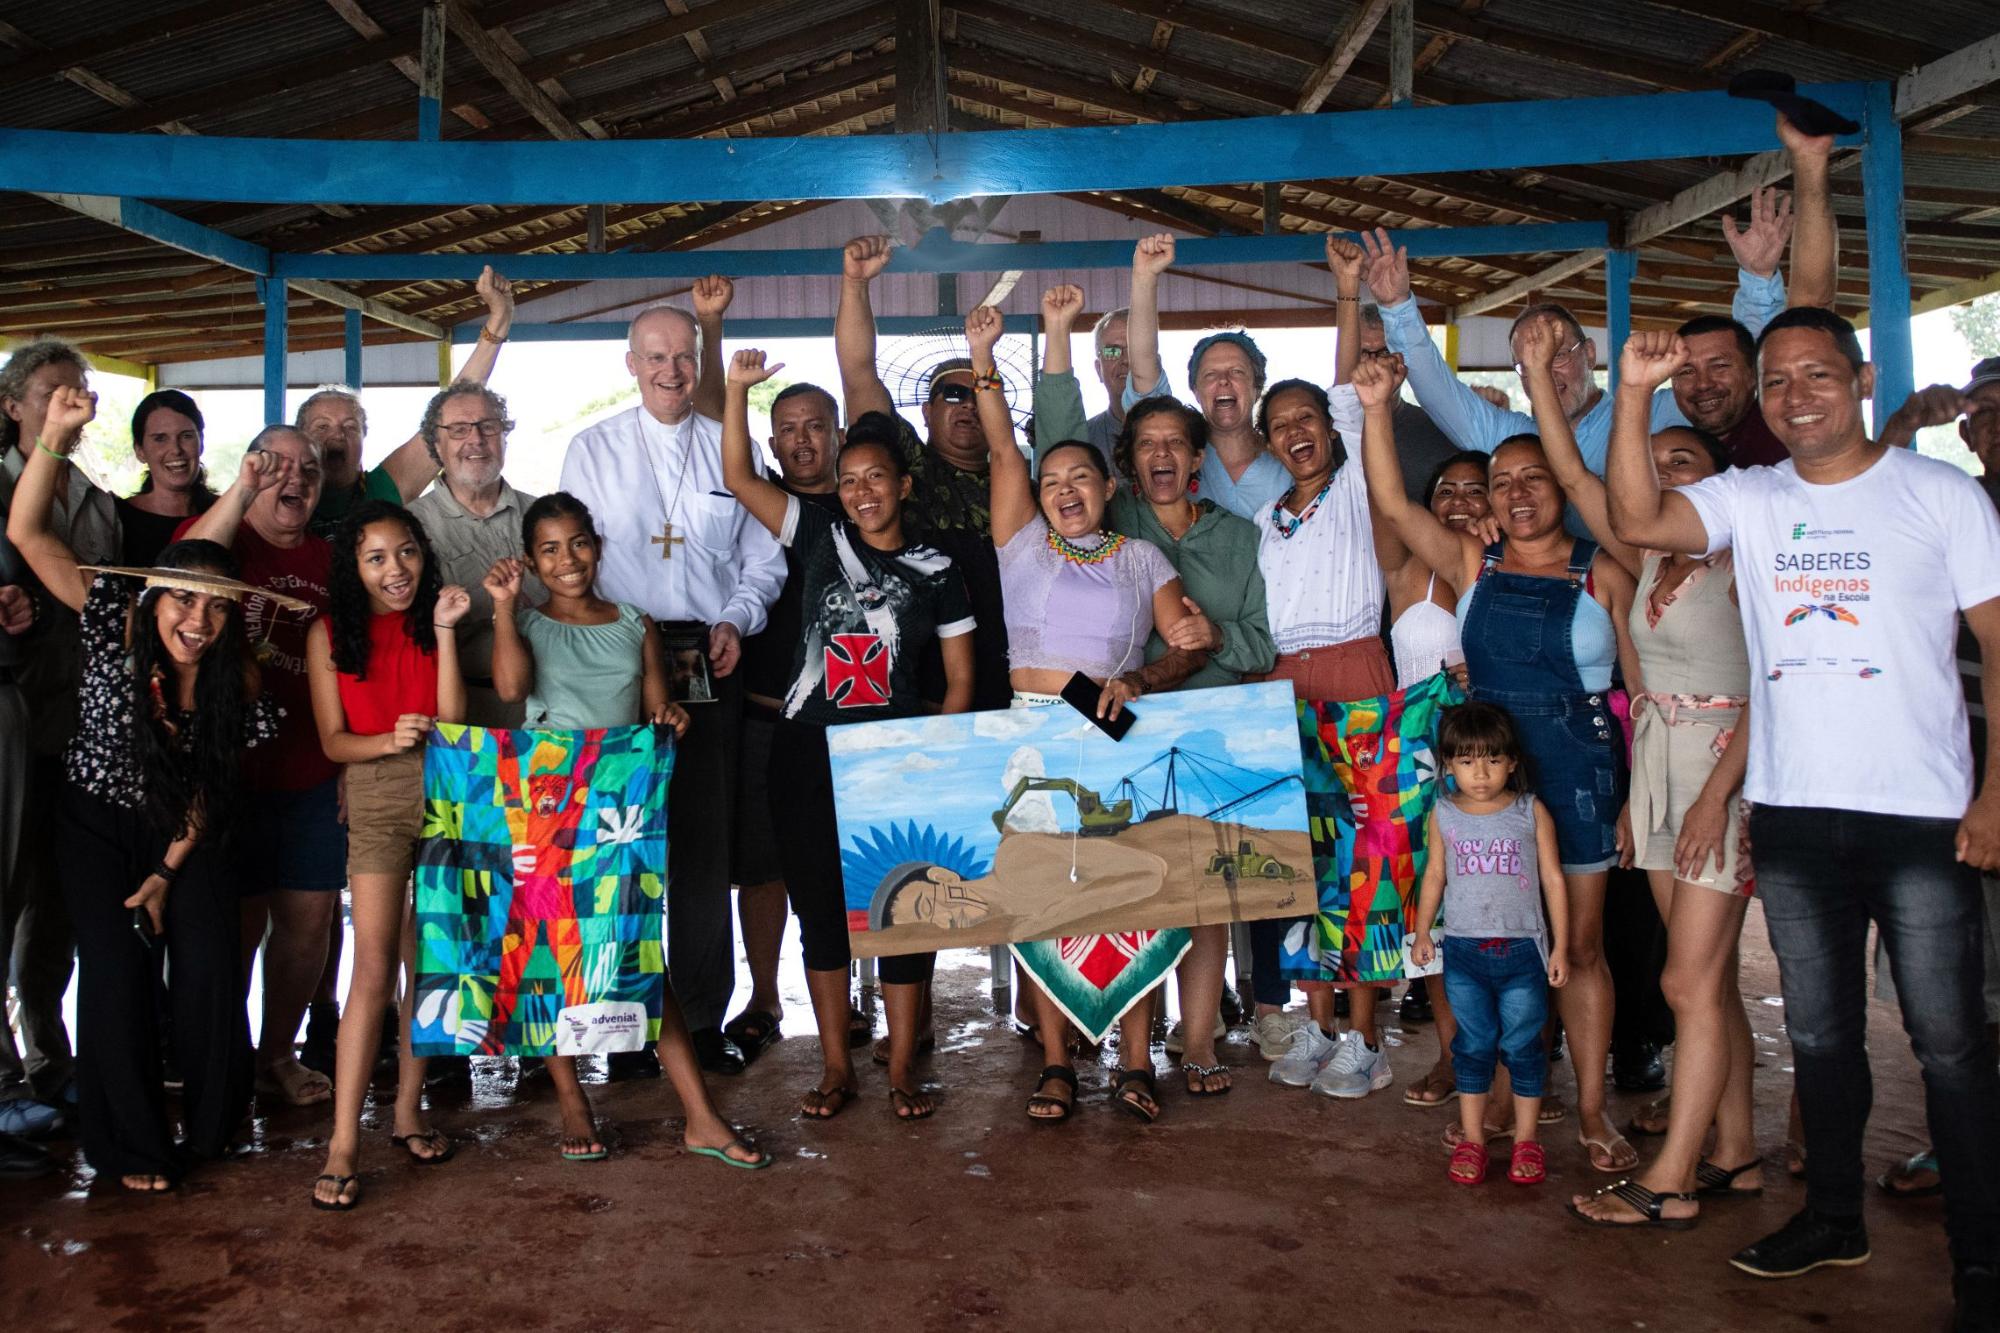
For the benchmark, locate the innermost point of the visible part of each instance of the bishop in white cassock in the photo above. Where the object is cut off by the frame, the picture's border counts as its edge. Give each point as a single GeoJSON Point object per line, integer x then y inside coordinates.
{"type": "Point", "coordinates": [678, 546]}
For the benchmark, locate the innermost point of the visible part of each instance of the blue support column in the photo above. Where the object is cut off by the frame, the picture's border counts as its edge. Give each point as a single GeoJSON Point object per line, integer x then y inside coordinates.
{"type": "Point", "coordinates": [271, 291]}
{"type": "Point", "coordinates": [1619, 268]}
{"type": "Point", "coordinates": [1888, 265]}
{"type": "Point", "coordinates": [430, 119]}
{"type": "Point", "coordinates": [351, 375]}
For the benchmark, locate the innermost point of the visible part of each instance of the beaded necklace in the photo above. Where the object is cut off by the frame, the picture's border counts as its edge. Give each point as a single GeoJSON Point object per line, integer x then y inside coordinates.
{"type": "Point", "coordinates": [1106, 547]}
{"type": "Point", "coordinates": [1285, 523]}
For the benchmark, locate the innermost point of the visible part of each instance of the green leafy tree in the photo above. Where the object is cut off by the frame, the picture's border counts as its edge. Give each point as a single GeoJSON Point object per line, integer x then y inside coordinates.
{"type": "Point", "coordinates": [1978, 322]}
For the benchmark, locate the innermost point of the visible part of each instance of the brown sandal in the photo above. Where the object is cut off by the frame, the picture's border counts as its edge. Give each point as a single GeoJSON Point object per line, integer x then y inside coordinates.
{"type": "Point", "coordinates": [1438, 1082]}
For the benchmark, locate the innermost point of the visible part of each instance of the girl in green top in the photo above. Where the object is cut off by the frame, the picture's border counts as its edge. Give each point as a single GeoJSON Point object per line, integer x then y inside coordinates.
{"type": "Point", "coordinates": [582, 662]}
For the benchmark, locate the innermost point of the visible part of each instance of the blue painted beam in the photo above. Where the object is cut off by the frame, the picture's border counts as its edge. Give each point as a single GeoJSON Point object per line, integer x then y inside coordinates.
{"type": "Point", "coordinates": [1619, 267]}
{"type": "Point", "coordinates": [351, 346]}
{"type": "Point", "coordinates": [739, 330]}
{"type": "Point", "coordinates": [1479, 136]}
{"type": "Point", "coordinates": [170, 229]}
{"type": "Point", "coordinates": [272, 293]}
{"type": "Point", "coordinates": [1888, 264]}
{"type": "Point", "coordinates": [430, 119]}
{"type": "Point", "coordinates": [932, 255]}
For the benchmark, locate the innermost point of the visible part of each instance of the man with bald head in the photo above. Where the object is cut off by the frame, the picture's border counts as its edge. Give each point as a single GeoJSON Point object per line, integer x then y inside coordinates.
{"type": "Point", "coordinates": [679, 547]}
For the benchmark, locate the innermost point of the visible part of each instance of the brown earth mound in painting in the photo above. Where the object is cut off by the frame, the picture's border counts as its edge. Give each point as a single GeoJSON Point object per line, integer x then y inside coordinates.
{"type": "Point", "coordinates": [1147, 876]}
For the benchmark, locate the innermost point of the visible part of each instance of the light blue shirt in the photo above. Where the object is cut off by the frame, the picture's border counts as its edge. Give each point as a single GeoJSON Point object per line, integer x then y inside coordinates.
{"type": "Point", "coordinates": [1262, 484]}
{"type": "Point", "coordinates": [1474, 423]}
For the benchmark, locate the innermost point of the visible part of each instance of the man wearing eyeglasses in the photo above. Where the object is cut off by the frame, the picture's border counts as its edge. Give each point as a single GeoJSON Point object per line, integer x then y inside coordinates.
{"type": "Point", "coordinates": [1059, 401]}
{"type": "Point", "coordinates": [333, 419]}
{"type": "Point", "coordinates": [473, 518]}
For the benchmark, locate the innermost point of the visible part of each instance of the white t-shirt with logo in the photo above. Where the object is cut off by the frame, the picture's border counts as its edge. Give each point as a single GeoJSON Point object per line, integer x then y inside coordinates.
{"type": "Point", "coordinates": [1850, 594]}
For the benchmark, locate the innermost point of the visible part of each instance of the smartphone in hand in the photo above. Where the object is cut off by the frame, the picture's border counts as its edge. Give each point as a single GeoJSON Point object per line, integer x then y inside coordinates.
{"type": "Point", "coordinates": [1082, 694]}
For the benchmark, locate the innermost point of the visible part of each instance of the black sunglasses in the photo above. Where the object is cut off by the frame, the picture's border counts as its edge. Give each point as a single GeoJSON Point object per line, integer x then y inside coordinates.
{"type": "Point", "coordinates": [953, 392]}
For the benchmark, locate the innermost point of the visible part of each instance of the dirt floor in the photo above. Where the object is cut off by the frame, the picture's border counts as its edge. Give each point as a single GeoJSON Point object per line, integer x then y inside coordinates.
{"type": "Point", "coordinates": [1268, 1208]}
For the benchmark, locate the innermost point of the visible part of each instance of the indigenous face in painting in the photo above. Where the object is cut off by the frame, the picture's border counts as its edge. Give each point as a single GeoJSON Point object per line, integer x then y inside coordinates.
{"type": "Point", "coordinates": [1075, 488]}
{"type": "Point", "coordinates": [391, 565]}
{"type": "Point", "coordinates": [664, 355]}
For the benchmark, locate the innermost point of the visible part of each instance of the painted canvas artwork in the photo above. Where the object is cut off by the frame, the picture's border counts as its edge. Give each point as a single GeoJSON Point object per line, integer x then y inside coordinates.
{"type": "Point", "coordinates": [539, 888]}
{"type": "Point", "coordinates": [1031, 824]}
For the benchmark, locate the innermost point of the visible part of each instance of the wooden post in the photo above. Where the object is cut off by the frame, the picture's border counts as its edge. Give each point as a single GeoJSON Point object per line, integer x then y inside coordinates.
{"type": "Point", "coordinates": [1402, 53]}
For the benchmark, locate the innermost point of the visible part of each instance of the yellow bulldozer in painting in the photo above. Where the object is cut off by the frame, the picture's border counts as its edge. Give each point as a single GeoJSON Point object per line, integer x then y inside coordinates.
{"type": "Point", "coordinates": [1246, 862]}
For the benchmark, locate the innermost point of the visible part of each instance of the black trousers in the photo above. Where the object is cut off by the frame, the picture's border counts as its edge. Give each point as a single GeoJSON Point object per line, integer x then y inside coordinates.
{"type": "Point", "coordinates": [801, 786]}
{"type": "Point", "coordinates": [106, 852]}
{"type": "Point", "coordinates": [701, 802]}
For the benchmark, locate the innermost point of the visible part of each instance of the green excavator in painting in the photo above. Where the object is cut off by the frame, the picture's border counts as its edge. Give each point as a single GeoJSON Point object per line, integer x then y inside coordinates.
{"type": "Point", "coordinates": [1096, 819]}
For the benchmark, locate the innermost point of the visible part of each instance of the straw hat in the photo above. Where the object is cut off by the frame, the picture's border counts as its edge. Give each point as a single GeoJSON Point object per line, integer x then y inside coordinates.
{"type": "Point", "coordinates": [198, 580]}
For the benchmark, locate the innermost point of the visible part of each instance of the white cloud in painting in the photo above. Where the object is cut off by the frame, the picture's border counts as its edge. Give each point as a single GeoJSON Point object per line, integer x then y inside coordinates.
{"type": "Point", "coordinates": [1013, 724]}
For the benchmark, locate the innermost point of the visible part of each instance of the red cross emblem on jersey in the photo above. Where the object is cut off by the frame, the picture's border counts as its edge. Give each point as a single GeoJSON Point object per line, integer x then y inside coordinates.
{"type": "Point", "coordinates": [857, 671]}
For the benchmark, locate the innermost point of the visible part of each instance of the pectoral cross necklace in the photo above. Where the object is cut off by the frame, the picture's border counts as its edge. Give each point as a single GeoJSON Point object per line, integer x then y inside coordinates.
{"type": "Point", "coordinates": [668, 538]}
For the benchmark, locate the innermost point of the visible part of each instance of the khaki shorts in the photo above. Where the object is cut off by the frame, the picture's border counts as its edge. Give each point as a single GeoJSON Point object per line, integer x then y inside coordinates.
{"type": "Point", "coordinates": [385, 814]}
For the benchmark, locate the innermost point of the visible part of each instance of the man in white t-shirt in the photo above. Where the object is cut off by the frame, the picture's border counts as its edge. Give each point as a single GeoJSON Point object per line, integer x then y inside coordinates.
{"type": "Point", "coordinates": [1853, 561]}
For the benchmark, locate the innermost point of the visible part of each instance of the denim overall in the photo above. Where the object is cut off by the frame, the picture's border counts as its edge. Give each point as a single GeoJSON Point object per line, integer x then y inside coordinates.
{"type": "Point", "coordinates": [1516, 636]}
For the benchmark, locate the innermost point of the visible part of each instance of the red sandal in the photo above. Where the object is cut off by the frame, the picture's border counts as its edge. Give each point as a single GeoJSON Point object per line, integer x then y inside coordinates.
{"type": "Point", "coordinates": [1467, 1155]}
{"type": "Point", "coordinates": [1528, 1165]}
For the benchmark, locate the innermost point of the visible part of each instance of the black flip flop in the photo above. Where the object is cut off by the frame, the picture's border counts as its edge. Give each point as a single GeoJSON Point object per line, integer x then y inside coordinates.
{"type": "Point", "coordinates": [1061, 1074]}
{"type": "Point", "coordinates": [754, 1031]}
{"type": "Point", "coordinates": [834, 1100]}
{"type": "Point", "coordinates": [1202, 1074]}
{"type": "Point", "coordinates": [340, 1204]}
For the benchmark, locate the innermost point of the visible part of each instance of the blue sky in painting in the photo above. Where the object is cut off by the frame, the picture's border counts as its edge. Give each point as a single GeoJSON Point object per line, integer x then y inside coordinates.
{"type": "Point", "coordinates": [945, 772]}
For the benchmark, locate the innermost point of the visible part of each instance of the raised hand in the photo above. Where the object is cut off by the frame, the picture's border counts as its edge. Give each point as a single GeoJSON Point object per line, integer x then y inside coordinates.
{"type": "Point", "coordinates": [452, 604]}
{"type": "Point", "coordinates": [712, 296]}
{"type": "Point", "coordinates": [1650, 358]}
{"type": "Point", "coordinates": [503, 581]}
{"type": "Point", "coordinates": [983, 326]}
{"type": "Point", "coordinates": [1938, 405]}
{"type": "Point", "coordinates": [1061, 305]}
{"type": "Point", "coordinates": [747, 368]}
{"type": "Point", "coordinates": [1387, 270]}
{"type": "Point", "coordinates": [1538, 342]}
{"type": "Point", "coordinates": [1759, 246]}
{"type": "Point", "coordinates": [1492, 394]}
{"type": "Point", "coordinates": [1346, 259]}
{"type": "Point", "coordinates": [498, 293]}
{"type": "Point", "coordinates": [1154, 254]}
{"type": "Point", "coordinates": [411, 728]}
{"type": "Point", "coordinates": [261, 470]}
{"type": "Point", "coordinates": [1800, 144]}
{"type": "Point", "coordinates": [864, 257]}
{"type": "Point", "coordinates": [1377, 380]}
{"type": "Point", "coordinates": [70, 410]}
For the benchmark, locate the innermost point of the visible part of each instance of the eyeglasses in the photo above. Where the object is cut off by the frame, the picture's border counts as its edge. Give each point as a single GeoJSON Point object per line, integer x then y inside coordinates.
{"type": "Point", "coordinates": [1376, 354]}
{"type": "Point", "coordinates": [1565, 354]}
{"type": "Point", "coordinates": [1111, 352]}
{"type": "Point", "coordinates": [954, 392]}
{"type": "Point", "coordinates": [460, 431]}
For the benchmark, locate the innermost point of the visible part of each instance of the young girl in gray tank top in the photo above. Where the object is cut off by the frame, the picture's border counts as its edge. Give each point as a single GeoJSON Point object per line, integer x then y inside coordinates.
{"type": "Point", "coordinates": [1492, 860]}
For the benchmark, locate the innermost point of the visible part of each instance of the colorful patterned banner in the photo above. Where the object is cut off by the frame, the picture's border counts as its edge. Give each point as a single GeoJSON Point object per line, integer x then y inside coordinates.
{"type": "Point", "coordinates": [1094, 979]}
{"type": "Point", "coordinates": [1371, 775]}
{"type": "Point", "coordinates": [539, 888]}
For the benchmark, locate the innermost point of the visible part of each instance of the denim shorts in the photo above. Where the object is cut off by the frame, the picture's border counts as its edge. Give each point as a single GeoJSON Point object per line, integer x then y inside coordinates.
{"type": "Point", "coordinates": [1575, 763]}
{"type": "Point", "coordinates": [292, 840]}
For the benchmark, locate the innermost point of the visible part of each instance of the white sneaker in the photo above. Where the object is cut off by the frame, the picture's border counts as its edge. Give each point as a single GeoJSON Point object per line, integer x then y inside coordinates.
{"type": "Point", "coordinates": [1272, 1033]}
{"type": "Point", "coordinates": [1354, 1071]}
{"type": "Point", "coordinates": [1177, 1035]}
{"type": "Point", "coordinates": [1308, 1054]}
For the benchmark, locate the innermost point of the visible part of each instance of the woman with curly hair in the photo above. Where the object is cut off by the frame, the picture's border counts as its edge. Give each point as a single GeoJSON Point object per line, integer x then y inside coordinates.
{"type": "Point", "coordinates": [382, 676]}
{"type": "Point", "coordinates": [168, 699]}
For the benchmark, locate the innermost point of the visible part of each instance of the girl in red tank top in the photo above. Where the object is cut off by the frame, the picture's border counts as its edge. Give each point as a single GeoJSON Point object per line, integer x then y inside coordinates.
{"type": "Point", "coordinates": [383, 665]}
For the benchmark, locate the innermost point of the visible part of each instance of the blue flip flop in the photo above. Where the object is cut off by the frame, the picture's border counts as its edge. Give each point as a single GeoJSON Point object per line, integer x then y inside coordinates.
{"type": "Point", "coordinates": [722, 1155]}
